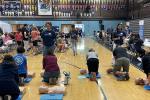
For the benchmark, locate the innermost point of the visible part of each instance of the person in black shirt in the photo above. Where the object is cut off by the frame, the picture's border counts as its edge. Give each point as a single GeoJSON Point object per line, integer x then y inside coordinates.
{"type": "Point", "coordinates": [80, 32]}
{"type": "Point", "coordinates": [128, 31]}
{"type": "Point", "coordinates": [1, 31]}
{"type": "Point", "coordinates": [146, 65]}
{"type": "Point", "coordinates": [118, 37]}
{"type": "Point", "coordinates": [100, 35]}
{"type": "Point", "coordinates": [25, 33]}
{"type": "Point", "coordinates": [121, 61]}
{"type": "Point", "coordinates": [9, 78]}
{"type": "Point", "coordinates": [146, 69]}
{"type": "Point", "coordinates": [1, 42]}
{"type": "Point", "coordinates": [132, 39]}
{"type": "Point", "coordinates": [135, 44]}
{"type": "Point", "coordinates": [138, 46]}
{"type": "Point", "coordinates": [49, 39]}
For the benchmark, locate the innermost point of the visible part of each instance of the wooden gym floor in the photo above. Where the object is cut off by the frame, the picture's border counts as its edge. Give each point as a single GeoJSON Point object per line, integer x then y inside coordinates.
{"type": "Point", "coordinates": [83, 89]}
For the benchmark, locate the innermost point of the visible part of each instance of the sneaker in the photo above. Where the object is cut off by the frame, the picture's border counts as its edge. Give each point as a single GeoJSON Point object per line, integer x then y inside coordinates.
{"type": "Point", "coordinates": [34, 54]}
{"type": "Point", "coordinates": [53, 81]}
{"type": "Point", "coordinates": [109, 71]}
{"type": "Point", "coordinates": [127, 77]}
{"type": "Point", "coordinates": [121, 78]}
{"type": "Point", "coordinates": [7, 97]}
{"type": "Point", "coordinates": [28, 49]}
{"type": "Point", "coordinates": [1, 98]}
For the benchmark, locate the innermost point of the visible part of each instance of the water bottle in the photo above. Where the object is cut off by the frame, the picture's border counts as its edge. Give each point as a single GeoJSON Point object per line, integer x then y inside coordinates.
{"type": "Point", "coordinates": [67, 77]}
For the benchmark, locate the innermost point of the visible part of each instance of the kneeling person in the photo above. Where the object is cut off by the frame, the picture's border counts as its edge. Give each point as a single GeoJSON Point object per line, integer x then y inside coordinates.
{"type": "Point", "coordinates": [21, 62]}
{"type": "Point", "coordinates": [146, 69]}
{"type": "Point", "coordinates": [92, 61]}
{"type": "Point", "coordinates": [121, 62]}
{"type": "Point", "coordinates": [52, 71]}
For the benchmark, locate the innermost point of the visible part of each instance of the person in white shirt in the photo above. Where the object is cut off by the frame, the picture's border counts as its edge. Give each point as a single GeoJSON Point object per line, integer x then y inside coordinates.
{"type": "Point", "coordinates": [92, 61]}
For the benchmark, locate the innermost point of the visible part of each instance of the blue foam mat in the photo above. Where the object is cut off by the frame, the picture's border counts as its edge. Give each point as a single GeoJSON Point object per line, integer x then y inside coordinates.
{"type": "Point", "coordinates": [97, 76]}
{"type": "Point", "coordinates": [27, 80]}
{"type": "Point", "coordinates": [51, 97]}
{"type": "Point", "coordinates": [82, 77]}
{"type": "Point", "coordinates": [20, 97]}
{"type": "Point", "coordinates": [147, 87]}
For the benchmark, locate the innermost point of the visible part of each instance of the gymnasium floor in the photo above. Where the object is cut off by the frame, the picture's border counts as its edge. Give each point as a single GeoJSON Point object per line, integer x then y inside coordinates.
{"type": "Point", "coordinates": [83, 89]}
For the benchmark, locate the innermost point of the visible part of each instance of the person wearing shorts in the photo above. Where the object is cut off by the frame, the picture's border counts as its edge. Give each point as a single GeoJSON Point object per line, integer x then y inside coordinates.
{"type": "Point", "coordinates": [121, 62]}
{"type": "Point", "coordinates": [34, 37]}
{"type": "Point", "coordinates": [21, 62]}
{"type": "Point", "coordinates": [19, 38]}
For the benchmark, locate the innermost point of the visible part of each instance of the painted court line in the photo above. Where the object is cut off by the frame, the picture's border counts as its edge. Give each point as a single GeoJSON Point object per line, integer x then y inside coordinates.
{"type": "Point", "coordinates": [101, 89]}
{"type": "Point", "coordinates": [97, 81]}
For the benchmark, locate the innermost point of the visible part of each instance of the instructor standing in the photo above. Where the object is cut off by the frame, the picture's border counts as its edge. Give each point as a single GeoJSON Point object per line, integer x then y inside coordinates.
{"type": "Point", "coordinates": [49, 38]}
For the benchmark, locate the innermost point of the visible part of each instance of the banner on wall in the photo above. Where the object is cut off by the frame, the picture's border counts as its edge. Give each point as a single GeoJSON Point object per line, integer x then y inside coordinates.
{"type": "Point", "coordinates": [44, 7]}
{"type": "Point", "coordinates": [141, 29]}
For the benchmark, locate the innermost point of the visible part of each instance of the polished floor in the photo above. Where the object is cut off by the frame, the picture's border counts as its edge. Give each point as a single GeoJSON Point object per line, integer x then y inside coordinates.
{"type": "Point", "coordinates": [83, 89]}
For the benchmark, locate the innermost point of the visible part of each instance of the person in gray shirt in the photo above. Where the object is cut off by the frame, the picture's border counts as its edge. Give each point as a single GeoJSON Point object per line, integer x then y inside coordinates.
{"type": "Point", "coordinates": [121, 62]}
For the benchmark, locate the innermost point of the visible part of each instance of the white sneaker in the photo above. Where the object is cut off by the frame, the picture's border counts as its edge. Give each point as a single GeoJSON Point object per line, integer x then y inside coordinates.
{"type": "Point", "coordinates": [1, 98]}
{"type": "Point", "coordinates": [140, 59]}
{"type": "Point", "coordinates": [7, 97]}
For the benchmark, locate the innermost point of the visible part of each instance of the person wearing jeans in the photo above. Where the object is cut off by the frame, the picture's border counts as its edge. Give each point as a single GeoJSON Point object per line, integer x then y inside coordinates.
{"type": "Point", "coordinates": [74, 46]}
{"type": "Point", "coordinates": [74, 39]}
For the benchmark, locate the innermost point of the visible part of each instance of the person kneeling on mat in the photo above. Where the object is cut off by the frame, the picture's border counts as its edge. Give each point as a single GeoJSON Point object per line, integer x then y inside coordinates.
{"type": "Point", "coordinates": [52, 71]}
{"type": "Point", "coordinates": [92, 61]}
{"type": "Point", "coordinates": [146, 69]}
{"type": "Point", "coordinates": [121, 61]}
{"type": "Point", "coordinates": [21, 62]}
{"type": "Point", "coordinates": [9, 79]}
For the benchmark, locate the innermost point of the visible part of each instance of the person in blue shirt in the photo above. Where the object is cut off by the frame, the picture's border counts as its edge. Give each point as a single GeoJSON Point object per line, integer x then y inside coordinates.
{"type": "Point", "coordinates": [9, 79]}
{"type": "Point", "coordinates": [127, 30]}
{"type": "Point", "coordinates": [49, 39]}
{"type": "Point", "coordinates": [118, 36]}
{"type": "Point", "coordinates": [21, 62]}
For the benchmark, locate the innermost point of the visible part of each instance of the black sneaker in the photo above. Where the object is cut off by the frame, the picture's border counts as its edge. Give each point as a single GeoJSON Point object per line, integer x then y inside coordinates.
{"type": "Point", "coordinates": [121, 78]}
{"type": "Point", "coordinates": [127, 77]}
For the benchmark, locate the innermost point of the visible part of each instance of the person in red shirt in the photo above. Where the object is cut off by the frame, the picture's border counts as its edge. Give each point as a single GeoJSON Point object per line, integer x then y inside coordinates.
{"type": "Point", "coordinates": [19, 38]}
{"type": "Point", "coordinates": [51, 67]}
{"type": "Point", "coordinates": [35, 37]}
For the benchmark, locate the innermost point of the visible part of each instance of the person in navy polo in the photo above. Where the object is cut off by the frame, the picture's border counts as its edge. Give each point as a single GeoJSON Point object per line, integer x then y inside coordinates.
{"type": "Point", "coordinates": [49, 39]}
